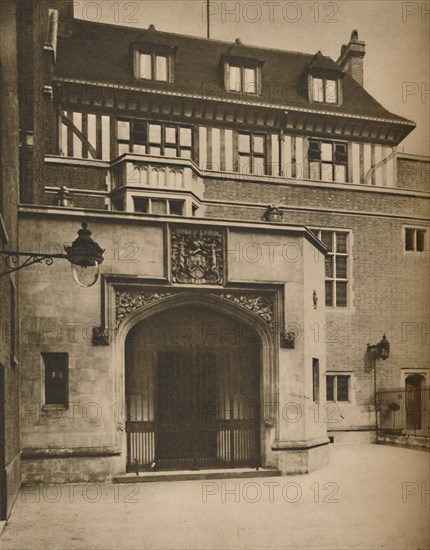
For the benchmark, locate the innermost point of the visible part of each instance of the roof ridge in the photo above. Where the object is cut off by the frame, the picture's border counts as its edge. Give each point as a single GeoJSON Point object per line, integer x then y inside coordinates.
{"type": "Point", "coordinates": [194, 37]}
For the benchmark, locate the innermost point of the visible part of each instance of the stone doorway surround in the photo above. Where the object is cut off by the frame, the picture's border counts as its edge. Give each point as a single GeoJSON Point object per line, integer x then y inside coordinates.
{"type": "Point", "coordinates": [256, 310]}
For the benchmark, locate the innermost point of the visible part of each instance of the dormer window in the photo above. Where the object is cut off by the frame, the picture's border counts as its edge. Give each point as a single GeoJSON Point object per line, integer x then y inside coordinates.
{"type": "Point", "coordinates": [242, 79]}
{"type": "Point", "coordinates": [154, 67]}
{"type": "Point", "coordinates": [153, 62]}
{"type": "Point", "coordinates": [324, 80]}
{"type": "Point", "coordinates": [242, 70]}
{"type": "Point", "coordinates": [324, 90]}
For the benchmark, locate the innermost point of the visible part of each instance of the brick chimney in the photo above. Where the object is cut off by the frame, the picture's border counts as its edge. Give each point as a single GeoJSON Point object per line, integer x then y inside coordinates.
{"type": "Point", "coordinates": [351, 58]}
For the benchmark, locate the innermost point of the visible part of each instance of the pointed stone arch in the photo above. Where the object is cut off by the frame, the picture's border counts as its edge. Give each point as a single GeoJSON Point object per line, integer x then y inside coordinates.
{"type": "Point", "coordinates": [229, 305]}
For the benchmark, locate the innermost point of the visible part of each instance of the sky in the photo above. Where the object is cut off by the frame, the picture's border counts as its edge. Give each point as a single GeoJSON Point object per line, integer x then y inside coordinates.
{"type": "Point", "coordinates": [396, 33]}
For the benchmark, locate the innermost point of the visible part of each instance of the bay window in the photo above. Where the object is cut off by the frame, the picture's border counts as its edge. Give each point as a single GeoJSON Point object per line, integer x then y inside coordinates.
{"type": "Point", "coordinates": [160, 206]}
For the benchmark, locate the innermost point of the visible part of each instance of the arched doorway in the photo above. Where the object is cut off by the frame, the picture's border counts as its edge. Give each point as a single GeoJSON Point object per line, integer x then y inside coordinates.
{"type": "Point", "coordinates": [192, 382]}
{"type": "Point", "coordinates": [413, 384]}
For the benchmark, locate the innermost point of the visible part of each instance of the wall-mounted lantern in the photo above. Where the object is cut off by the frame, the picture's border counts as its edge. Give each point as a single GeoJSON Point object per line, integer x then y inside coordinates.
{"type": "Point", "coordinates": [84, 255]}
{"type": "Point", "coordinates": [381, 350]}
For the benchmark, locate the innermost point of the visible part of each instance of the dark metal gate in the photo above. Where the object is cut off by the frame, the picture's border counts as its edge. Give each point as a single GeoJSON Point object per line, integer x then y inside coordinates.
{"type": "Point", "coordinates": [200, 409]}
{"type": "Point", "coordinates": [405, 412]}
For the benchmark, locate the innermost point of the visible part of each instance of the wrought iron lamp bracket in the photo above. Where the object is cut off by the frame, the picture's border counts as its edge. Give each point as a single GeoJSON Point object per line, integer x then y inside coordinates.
{"type": "Point", "coordinates": [15, 261]}
{"type": "Point", "coordinates": [84, 252]}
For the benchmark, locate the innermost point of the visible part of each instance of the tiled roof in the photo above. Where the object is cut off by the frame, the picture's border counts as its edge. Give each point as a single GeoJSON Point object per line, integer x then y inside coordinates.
{"type": "Point", "coordinates": [239, 50]}
{"type": "Point", "coordinates": [102, 53]}
{"type": "Point", "coordinates": [321, 63]}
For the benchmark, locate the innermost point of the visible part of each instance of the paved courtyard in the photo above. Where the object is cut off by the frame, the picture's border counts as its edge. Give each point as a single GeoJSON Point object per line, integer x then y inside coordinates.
{"type": "Point", "coordinates": [368, 497]}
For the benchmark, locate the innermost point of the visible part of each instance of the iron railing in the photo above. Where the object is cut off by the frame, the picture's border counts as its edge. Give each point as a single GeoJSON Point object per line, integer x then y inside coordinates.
{"type": "Point", "coordinates": [404, 412]}
{"type": "Point", "coordinates": [226, 444]}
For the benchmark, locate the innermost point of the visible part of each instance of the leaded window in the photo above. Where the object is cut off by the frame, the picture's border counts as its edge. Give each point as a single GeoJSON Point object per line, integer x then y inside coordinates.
{"type": "Point", "coordinates": [328, 160]}
{"type": "Point", "coordinates": [252, 153]}
{"type": "Point", "coordinates": [336, 266]}
{"type": "Point", "coordinates": [414, 239]}
{"type": "Point", "coordinates": [154, 138]}
{"type": "Point", "coordinates": [338, 387]}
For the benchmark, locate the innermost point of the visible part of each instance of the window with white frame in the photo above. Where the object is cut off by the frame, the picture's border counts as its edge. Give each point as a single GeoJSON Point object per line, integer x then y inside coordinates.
{"type": "Point", "coordinates": [415, 239]}
{"type": "Point", "coordinates": [325, 90]}
{"type": "Point", "coordinates": [154, 66]}
{"type": "Point", "coordinates": [338, 387]}
{"type": "Point", "coordinates": [328, 160]}
{"type": "Point", "coordinates": [336, 266]}
{"type": "Point", "coordinates": [242, 78]}
{"type": "Point", "coordinates": [153, 138]}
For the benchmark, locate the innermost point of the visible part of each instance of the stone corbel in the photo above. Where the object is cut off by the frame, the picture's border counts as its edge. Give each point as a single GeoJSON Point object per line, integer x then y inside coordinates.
{"type": "Point", "coordinates": [101, 336]}
{"type": "Point", "coordinates": [288, 340]}
{"type": "Point", "coordinates": [273, 213]}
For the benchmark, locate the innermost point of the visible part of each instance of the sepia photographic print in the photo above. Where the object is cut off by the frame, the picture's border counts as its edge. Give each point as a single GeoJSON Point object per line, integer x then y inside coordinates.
{"type": "Point", "coordinates": [214, 275]}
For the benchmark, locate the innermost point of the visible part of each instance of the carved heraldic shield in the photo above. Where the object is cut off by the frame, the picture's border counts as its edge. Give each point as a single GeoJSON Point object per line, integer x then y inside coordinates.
{"type": "Point", "coordinates": [197, 256]}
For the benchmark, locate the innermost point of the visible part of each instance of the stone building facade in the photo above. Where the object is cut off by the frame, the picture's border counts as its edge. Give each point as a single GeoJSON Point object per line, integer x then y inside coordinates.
{"type": "Point", "coordinates": [259, 227]}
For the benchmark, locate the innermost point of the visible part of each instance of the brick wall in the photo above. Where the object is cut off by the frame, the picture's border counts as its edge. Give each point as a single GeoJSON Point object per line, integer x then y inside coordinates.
{"type": "Point", "coordinates": [82, 177]}
{"type": "Point", "coordinates": [413, 174]}
{"type": "Point", "coordinates": [388, 286]}
{"type": "Point", "coordinates": [303, 196]}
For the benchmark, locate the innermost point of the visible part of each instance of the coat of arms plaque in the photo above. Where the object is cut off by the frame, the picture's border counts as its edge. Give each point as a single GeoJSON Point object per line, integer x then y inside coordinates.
{"type": "Point", "coordinates": [197, 256]}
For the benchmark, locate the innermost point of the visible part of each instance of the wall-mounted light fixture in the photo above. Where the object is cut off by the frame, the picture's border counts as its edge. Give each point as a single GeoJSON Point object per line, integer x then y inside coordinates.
{"type": "Point", "coordinates": [381, 350]}
{"type": "Point", "coordinates": [84, 255]}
